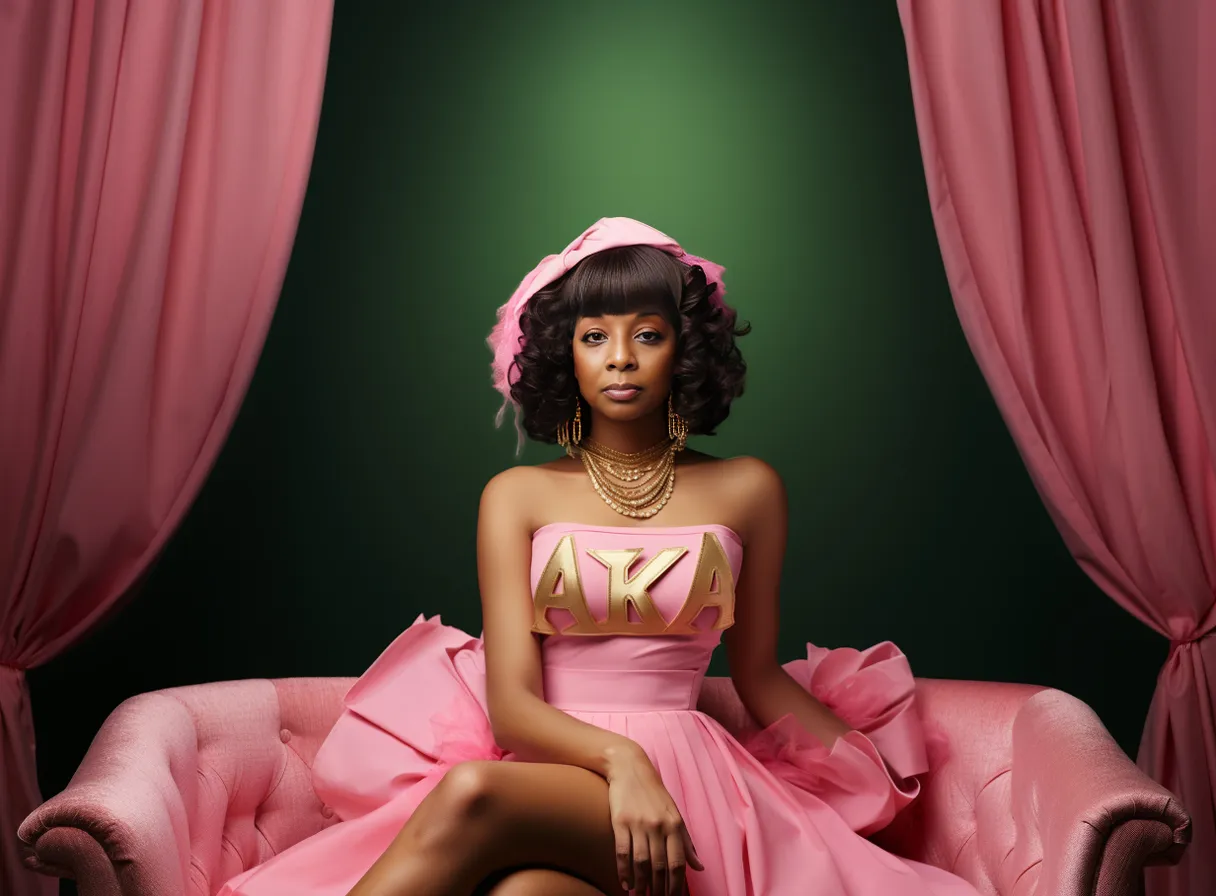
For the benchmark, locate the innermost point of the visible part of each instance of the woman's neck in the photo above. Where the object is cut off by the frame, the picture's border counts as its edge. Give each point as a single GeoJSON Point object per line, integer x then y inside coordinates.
{"type": "Point", "coordinates": [631, 436]}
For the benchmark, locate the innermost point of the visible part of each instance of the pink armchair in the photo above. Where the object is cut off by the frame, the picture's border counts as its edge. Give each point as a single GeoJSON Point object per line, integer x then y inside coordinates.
{"type": "Point", "coordinates": [183, 788]}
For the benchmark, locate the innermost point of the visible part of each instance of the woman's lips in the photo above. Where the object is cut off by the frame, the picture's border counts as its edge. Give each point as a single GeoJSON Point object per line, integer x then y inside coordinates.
{"type": "Point", "coordinates": [623, 393]}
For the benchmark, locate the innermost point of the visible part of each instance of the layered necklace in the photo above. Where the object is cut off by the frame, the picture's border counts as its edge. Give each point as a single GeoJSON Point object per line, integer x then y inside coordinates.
{"type": "Point", "coordinates": [634, 485]}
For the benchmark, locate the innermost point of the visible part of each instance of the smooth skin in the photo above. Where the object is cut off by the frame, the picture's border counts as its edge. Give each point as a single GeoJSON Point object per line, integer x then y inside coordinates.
{"type": "Point", "coordinates": [585, 811]}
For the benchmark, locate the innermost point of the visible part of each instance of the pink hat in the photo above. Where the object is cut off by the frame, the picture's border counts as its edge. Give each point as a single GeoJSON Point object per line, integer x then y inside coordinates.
{"type": "Point", "coordinates": [506, 338]}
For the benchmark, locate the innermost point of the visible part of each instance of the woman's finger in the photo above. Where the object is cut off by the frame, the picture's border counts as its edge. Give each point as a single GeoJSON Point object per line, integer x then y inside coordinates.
{"type": "Point", "coordinates": [641, 863]}
{"type": "Point", "coordinates": [624, 856]}
{"type": "Point", "coordinates": [690, 851]}
{"type": "Point", "coordinates": [675, 865]}
{"type": "Point", "coordinates": [658, 863]}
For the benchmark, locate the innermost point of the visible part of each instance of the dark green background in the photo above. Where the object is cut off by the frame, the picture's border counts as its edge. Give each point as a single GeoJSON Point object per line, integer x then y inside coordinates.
{"type": "Point", "coordinates": [456, 148]}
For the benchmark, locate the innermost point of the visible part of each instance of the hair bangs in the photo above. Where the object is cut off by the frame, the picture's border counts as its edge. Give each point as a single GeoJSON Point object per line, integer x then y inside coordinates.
{"type": "Point", "coordinates": [627, 280]}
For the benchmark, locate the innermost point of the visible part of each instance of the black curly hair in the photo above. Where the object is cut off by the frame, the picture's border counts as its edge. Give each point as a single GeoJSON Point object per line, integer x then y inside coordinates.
{"type": "Point", "coordinates": [709, 369]}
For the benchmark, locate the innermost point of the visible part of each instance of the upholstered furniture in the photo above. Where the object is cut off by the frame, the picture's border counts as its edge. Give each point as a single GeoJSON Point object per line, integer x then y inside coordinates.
{"type": "Point", "coordinates": [183, 788]}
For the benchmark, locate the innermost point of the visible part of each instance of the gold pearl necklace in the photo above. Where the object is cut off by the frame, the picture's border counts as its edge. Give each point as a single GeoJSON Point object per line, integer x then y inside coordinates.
{"type": "Point", "coordinates": [634, 485]}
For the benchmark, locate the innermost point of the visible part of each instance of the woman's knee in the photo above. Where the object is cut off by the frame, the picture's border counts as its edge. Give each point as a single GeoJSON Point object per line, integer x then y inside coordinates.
{"type": "Point", "coordinates": [467, 790]}
{"type": "Point", "coordinates": [452, 818]}
{"type": "Point", "coordinates": [542, 882]}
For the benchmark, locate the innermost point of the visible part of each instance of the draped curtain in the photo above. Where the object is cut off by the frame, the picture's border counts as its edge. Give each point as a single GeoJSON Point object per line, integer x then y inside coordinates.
{"type": "Point", "coordinates": [1069, 149]}
{"type": "Point", "coordinates": [153, 161]}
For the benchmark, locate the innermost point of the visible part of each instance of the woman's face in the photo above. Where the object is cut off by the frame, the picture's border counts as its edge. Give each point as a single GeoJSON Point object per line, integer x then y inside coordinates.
{"type": "Point", "coordinates": [624, 363]}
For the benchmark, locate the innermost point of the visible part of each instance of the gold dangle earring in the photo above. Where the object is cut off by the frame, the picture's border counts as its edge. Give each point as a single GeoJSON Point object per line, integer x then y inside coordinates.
{"type": "Point", "coordinates": [570, 432]}
{"type": "Point", "coordinates": [677, 426]}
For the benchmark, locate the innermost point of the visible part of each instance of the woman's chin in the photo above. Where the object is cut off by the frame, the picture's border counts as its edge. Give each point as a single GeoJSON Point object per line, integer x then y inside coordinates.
{"type": "Point", "coordinates": [624, 411]}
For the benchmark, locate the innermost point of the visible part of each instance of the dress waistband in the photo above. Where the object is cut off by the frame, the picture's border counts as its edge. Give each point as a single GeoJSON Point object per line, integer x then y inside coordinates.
{"type": "Point", "coordinates": [622, 690]}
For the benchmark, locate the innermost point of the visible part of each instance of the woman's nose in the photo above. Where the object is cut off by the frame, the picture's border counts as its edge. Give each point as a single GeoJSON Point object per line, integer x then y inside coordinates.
{"type": "Point", "coordinates": [621, 357]}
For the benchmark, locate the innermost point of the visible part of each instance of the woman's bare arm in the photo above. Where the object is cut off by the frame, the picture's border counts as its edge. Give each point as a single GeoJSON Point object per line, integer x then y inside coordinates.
{"type": "Point", "coordinates": [522, 722]}
{"type": "Point", "coordinates": [763, 686]}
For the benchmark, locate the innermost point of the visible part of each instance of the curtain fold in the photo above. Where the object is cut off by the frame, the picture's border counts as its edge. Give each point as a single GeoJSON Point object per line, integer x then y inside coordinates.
{"type": "Point", "coordinates": [153, 162]}
{"type": "Point", "coordinates": [1069, 151]}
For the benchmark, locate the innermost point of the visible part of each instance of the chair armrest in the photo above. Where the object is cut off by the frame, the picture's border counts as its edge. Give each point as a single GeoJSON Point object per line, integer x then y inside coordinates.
{"type": "Point", "coordinates": [1028, 794]}
{"type": "Point", "coordinates": [125, 811]}
{"type": "Point", "coordinates": [183, 788]}
{"type": "Point", "coordinates": [1083, 806]}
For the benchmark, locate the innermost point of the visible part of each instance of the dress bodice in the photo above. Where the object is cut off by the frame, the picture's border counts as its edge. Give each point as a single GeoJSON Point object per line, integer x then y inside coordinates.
{"type": "Point", "coordinates": [646, 604]}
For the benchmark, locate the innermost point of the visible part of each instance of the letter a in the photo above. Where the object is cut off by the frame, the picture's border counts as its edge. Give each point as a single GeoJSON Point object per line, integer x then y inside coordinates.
{"type": "Point", "coordinates": [562, 565]}
{"type": "Point", "coordinates": [712, 566]}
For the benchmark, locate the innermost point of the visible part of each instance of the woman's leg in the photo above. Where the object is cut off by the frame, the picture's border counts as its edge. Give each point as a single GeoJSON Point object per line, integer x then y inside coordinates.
{"type": "Point", "coordinates": [543, 882]}
{"type": "Point", "coordinates": [485, 817]}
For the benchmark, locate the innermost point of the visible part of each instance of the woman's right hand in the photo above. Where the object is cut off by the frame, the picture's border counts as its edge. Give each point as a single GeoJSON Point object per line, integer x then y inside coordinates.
{"type": "Point", "coordinates": [652, 844]}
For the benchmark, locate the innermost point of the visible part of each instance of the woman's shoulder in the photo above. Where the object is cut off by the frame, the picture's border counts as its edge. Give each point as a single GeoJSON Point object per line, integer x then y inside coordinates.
{"type": "Point", "coordinates": [743, 488]}
{"type": "Point", "coordinates": [525, 480]}
{"type": "Point", "coordinates": [513, 479]}
{"type": "Point", "coordinates": [748, 471]}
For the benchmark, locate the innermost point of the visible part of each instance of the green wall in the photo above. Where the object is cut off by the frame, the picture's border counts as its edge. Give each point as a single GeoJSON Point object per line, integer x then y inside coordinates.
{"type": "Point", "coordinates": [453, 153]}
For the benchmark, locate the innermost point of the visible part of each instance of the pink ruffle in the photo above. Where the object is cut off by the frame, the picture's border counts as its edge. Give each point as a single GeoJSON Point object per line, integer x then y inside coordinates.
{"type": "Point", "coordinates": [440, 666]}
{"type": "Point", "coordinates": [463, 734]}
{"type": "Point", "coordinates": [418, 709]}
{"type": "Point", "coordinates": [868, 775]}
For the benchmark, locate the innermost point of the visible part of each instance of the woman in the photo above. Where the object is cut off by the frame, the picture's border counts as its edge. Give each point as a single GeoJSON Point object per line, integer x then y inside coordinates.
{"type": "Point", "coordinates": [562, 753]}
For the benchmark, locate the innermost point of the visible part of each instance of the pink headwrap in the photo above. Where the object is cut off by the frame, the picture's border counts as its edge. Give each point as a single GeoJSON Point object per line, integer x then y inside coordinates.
{"type": "Point", "coordinates": [506, 338]}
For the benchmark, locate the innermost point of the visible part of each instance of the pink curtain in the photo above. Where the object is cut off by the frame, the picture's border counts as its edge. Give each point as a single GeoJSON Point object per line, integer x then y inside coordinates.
{"type": "Point", "coordinates": [1070, 150]}
{"type": "Point", "coordinates": [153, 160]}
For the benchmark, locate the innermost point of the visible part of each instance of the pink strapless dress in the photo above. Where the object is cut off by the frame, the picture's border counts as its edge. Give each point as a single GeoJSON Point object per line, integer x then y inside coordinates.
{"type": "Point", "coordinates": [631, 616]}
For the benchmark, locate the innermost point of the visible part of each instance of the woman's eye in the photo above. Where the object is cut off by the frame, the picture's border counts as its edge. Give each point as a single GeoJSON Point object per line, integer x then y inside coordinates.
{"type": "Point", "coordinates": [650, 336]}
{"type": "Point", "coordinates": [593, 338]}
